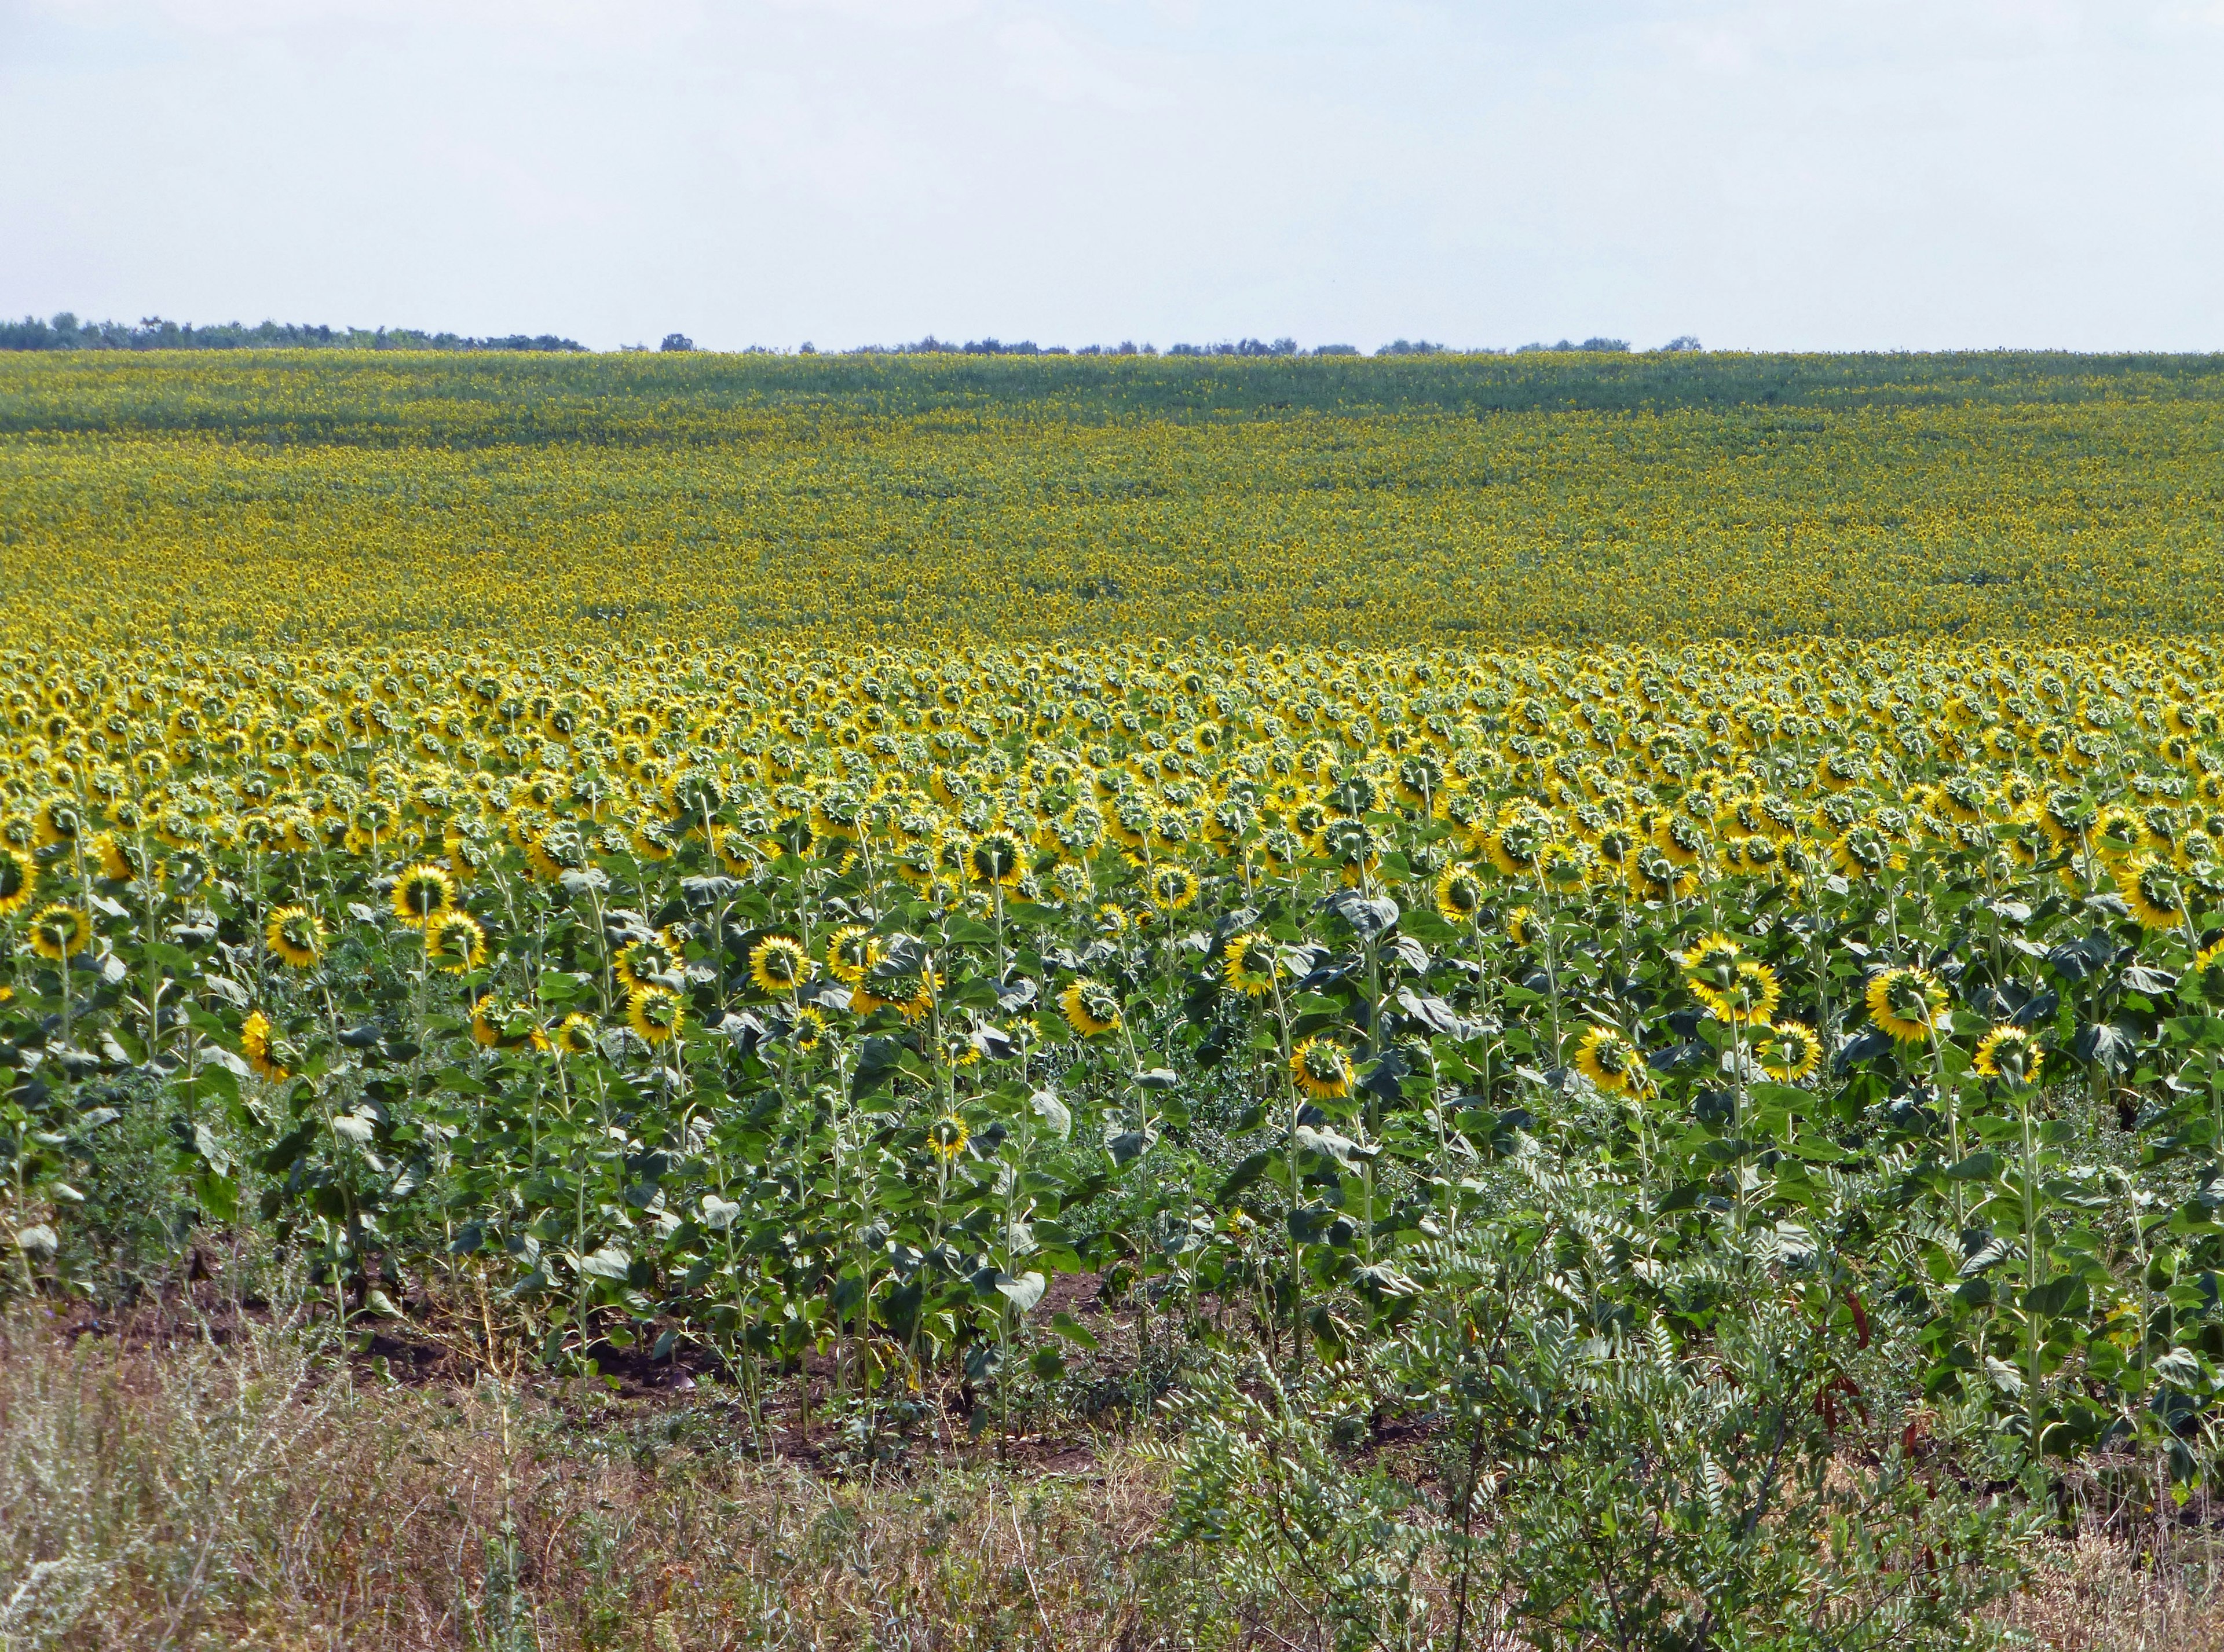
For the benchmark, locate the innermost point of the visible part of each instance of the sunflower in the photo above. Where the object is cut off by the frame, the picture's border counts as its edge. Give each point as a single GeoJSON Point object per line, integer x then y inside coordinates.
{"type": "Point", "coordinates": [1608, 1057]}
{"type": "Point", "coordinates": [910, 995]}
{"type": "Point", "coordinates": [256, 1044]}
{"type": "Point", "coordinates": [1521, 925]}
{"type": "Point", "coordinates": [1251, 964]}
{"type": "Point", "coordinates": [59, 931]}
{"type": "Point", "coordinates": [1321, 1069]}
{"type": "Point", "coordinates": [454, 942]}
{"type": "Point", "coordinates": [997, 856]}
{"type": "Point", "coordinates": [645, 963]}
{"type": "Point", "coordinates": [1110, 922]}
{"type": "Point", "coordinates": [109, 855]}
{"type": "Point", "coordinates": [1459, 892]}
{"type": "Point", "coordinates": [422, 894]}
{"type": "Point", "coordinates": [778, 965]}
{"type": "Point", "coordinates": [1172, 888]}
{"type": "Point", "coordinates": [579, 1035]}
{"type": "Point", "coordinates": [946, 1136]}
{"type": "Point", "coordinates": [504, 1023]}
{"type": "Point", "coordinates": [736, 851]}
{"type": "Point", "coordinates": [808, 1031]}
{"type": "Point", "coordinates": [19, 881]}
{"type": "Point", "coordinates": [1089, 1007]}
{"type": "Point", "coordinates": [1746, 991]}
{"type": "Point", "coordinates": [1909, 1004]}
{"type": "Point", "coordinates": [1861, 851]}
{"type": "Point", "coordinates": [296, 935]}
{"type": "Point", "coordinates": [653, 1012]}
{"type": "Point", "coordinates": [851, 951]}
{"type": "Point", "coordinates": [2008, 1053]}
{"type": "Point", "coordinates": [2152, 889]}
{"type": "Point", "coordinates": [1787, 1050]}
{"type": "Point", "coordinates": [1718, 951]}
{"type": "Point", "coordinates": [1513, 847]}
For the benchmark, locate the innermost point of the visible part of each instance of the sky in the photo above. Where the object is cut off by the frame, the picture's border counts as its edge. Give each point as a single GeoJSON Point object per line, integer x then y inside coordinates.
{"type": "Point", "coordinates": [1809, 174]}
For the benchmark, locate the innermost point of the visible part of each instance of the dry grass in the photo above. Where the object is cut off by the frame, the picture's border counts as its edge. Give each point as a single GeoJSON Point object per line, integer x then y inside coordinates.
{"type": "Point", "coordinates": [251, 1495]}
{"type": "Point", "coordinates": [259, 1493]}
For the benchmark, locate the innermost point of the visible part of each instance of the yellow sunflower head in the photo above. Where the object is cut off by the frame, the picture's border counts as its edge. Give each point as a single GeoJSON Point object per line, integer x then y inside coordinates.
{"type": "Point", "coordinates": [422, 894]}
{"type": "Point", "coordinates": [1787, 1050]}
{"type": "Point", "coordinates": [59, 931]}
{"type": "Point", "coordinates": [454, 942]}
{"type": "Point", "coordinates": [851, 951]}
{"type": "Point", "coordinates": [808, 1031]}
{"type": "Point", "coordinates": [1252, 963]}
{"type": "Point", "coordinates": [997, 856]}
{"type": "Point", "coordinates": [1459, 892]}
{"type": "Point", "coordinates": [1321, 1069]}
{"type": "Point", "coordinates": [1908, 1004]}
{"type": "Point", "coordinates": [295, 935]}
{"type": "Point", "coordinates": [1747, 992]}
{"type": "Point", "coordinates": [1172, 888]}
{"type": "Point", "coordinates": [19, 880]}
{"type": "Point", "coordinates": [262, 1051]}
{"type": "Point", "coordinates": [653, 1012]}
{"type": "Point", "coordinates": [2153, 890]}
{"type": "Point", "coordinates": [1089, 1007]}
{"type": "Point", "coordinates": [1608, 1057]}
{"type": "Point", "coordinates": [579, 1034]}
{"type": "Point", "coordinates": [778, 965]}
{"type": "Point", "coordinates": [2009, 1053]}
{"type": "Point", "coordinates": [946, 1137]}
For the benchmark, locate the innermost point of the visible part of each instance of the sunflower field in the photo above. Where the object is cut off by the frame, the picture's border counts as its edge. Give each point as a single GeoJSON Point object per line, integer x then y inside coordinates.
{"type": "Point", "coordinates": [1491, 1036]}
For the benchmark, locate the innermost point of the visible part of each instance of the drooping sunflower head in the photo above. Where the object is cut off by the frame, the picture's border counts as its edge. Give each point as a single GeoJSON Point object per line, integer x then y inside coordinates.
{"type": "Point", "coordinates": [262, 1049]}
{"type": "Point", "coordinates": [808, 1031]}
{"type": "Point", "coordinates": [422, 894]}
{"type": "Point", "coordinates": [1459, 892]}
{"type": "Point", "coordinates": [653, 1013]}
{"type": "Point", "coordinates": [1787, 1050]}
{"type": "Point", "coordinates": [851, 951]}
{"type": "Point", "coordinates": [1089, 1007]}
{"type": "Point", "coordinates": [2153, 890]}
{"type": "Point", "coordinates": [778, 965]}
{"type": "Point", "coordinates": [997, 856]}
{"type": "Point", "coordinates": [1172, 887]}
{"type": "Point", "coordinates": [1252, 963]}
{"type": "Point", "coordinates": [295, 935]}
{"type": "Point", "coordinates": [1907, 1003]}
{"type": "Point", "coordinates": [1521, 926]}
{"type": "Point", "coordinates": [2010, 1054]}
{"type": "Point", "coordinates": [2205, 976]}
{"type": "Point", "coordinates": [1321, 1069]}
{"type": "Point", "coordinates": [946, 1137]}
{"type": "Point", "coordinates": [19, 880]}
{"type": "Point", "coordinates": [1110, 922]}
{"type": "Point", "coordinates": [579, 1034]}
{"type": "Point", "coordinates": [1610, 1060]}
{"type": "Point", "coordinates": [1747, 993]}
{"type": "Point", "coordinates": [502, 1023]}
{"type": "Point", "coordinates": [59, 931]}
{"type": "Point", "coordinates": [1718, 952]}
{"type": "Point", "coordinates": [648, 963]}
{"type": "Point", "coordinates": [454, 942]}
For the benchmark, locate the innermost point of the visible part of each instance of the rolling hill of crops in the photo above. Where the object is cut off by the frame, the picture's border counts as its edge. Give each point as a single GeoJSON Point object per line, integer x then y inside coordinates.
{"type": "Point", "coordinates": [1660, 933]}
{"type": "Point", "coordinates": [315, 496]}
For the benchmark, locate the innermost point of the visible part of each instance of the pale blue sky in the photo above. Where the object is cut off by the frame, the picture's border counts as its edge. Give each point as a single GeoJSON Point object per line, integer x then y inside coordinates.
{"type": "Point", "coordinates": [1764, 174]}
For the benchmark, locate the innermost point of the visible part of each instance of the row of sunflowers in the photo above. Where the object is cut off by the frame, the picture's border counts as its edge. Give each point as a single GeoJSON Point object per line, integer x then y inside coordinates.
{"type": "Point", "coordinates": [760, 1003]}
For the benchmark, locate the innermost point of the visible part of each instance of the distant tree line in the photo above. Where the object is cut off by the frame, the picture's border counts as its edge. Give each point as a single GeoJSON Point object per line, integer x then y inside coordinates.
{"type": "Point", "coordinates": [65, 331]}
{"type": "Point", "coordinates": [1249, 347]}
